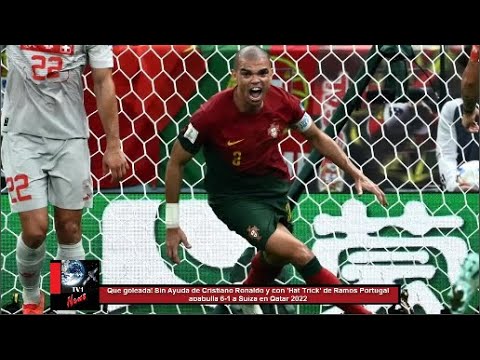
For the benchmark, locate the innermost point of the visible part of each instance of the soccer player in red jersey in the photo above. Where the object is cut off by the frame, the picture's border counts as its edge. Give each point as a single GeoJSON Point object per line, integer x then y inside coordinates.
{"type": "Point", "coordinates": [247, 179]}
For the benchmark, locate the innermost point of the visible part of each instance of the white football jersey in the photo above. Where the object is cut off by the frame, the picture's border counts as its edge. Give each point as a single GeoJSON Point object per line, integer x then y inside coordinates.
{"type": "Point", "coordinates": [44, 89]}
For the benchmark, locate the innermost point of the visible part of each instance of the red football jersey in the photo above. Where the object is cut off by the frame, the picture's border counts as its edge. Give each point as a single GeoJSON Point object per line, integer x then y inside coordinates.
{"type": "Point", "coordinates": [242, 144]}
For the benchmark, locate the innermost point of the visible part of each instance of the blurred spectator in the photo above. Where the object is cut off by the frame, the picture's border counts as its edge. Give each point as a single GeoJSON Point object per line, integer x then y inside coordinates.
{"type": "Point", "coordinates": [470, 84]}
{"type": "Point", "coordinates": [455, 145]}
{"type": "Point", "coordinates": [401, 135]}
{"type": "Point", "coordinates": [407, 120]}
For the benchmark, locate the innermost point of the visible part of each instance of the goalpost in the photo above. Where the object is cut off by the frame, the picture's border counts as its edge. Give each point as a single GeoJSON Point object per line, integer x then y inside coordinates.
{"type": "Point", "coordinates": [380, 102]}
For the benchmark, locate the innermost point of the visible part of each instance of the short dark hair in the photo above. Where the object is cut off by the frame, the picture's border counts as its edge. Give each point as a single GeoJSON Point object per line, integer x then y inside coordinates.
{"type": "Point", "coordinates": [250, 52]}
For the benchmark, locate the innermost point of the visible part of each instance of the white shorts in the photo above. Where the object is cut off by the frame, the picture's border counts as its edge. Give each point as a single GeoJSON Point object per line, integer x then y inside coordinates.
{"type": "Point", "coordinates": [39, 171]}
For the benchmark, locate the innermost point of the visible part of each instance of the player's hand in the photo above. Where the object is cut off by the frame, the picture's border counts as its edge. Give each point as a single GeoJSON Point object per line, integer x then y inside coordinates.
{"type": "Point", "coordinates": [363, 182]}
{"type": "Point", "coordinates": [114, 161]}
{"type": "Point", "coordinates": [469, 121]}
{"type": "Point", "coordinates": [175, 237]}
{"type": "Point", "coordinates": [466, 187]}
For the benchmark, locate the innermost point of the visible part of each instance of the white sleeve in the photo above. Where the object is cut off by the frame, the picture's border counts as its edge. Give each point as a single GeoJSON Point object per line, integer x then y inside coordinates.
{"type": "Point", "coordinates": [447, 146]}
{"type": "Point", "coordinates": [100, 56]}
{"type": "Point", "coordinates": [304, 123]}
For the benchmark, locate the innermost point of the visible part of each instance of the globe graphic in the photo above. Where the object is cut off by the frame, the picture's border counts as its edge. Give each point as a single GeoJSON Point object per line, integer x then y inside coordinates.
{"type": "Point", "coordinates": [73, 272]}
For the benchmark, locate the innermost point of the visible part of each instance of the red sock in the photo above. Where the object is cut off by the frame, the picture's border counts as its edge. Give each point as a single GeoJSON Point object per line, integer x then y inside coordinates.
{"type": "Point", "coordinates": [325, 277]}
{"type": "Point", "coordinates": [261, 272]}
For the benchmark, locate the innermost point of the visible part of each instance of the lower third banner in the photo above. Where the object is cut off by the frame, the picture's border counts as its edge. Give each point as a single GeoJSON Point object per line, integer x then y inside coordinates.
{"type": "Point", "coordinates": [339, 294]}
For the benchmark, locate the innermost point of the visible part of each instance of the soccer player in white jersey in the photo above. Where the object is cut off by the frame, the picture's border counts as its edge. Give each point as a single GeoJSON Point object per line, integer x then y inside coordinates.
{"type": "Point", "coordinates": [45, 153]}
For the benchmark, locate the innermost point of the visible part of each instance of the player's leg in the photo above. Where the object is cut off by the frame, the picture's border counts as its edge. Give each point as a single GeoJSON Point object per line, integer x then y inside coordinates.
{"type": "Point", "coordinates": [70, 190]}
{"type": "Point", "coordinates": [27, 187]}
{"type": "Point", "coordinates": [69, 234]}
{"type": "Point", "coordinates": [283, 246]}
{"type": "Point", "coordinates": [30, 255]}
{"type": "Point", "coordinates": [263, 267]}
{"type": "Point", "coordinates": [255, 220]}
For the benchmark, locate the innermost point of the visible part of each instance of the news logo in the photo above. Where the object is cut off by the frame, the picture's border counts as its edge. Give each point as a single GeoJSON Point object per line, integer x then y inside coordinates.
{"type": "Point", "coordinates": [74, 284]}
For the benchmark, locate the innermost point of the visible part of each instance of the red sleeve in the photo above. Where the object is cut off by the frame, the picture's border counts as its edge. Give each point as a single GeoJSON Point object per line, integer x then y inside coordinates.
{"type": "Point", "coordinates": [200, 121]}
{"type": "Point", "coordinates": [296, 107]}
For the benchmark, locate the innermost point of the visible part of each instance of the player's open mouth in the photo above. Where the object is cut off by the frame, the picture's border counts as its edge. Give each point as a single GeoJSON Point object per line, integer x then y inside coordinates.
{"type": "Point", "coordinates": [255, 94]}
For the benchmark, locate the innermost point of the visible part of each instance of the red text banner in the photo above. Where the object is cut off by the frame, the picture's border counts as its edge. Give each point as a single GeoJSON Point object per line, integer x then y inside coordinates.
{"type": "Point", "coordinates": [341, 294]}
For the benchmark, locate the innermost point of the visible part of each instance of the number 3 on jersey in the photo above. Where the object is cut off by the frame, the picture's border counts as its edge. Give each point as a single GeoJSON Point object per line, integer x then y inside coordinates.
{"type": "Point", "coordinates": [44, 67]}
{"type": "Point", "coordinates": [237, 158]}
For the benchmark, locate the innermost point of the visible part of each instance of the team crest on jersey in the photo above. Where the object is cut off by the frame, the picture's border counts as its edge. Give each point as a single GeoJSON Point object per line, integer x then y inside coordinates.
{"type": "Point", "coordinates": [254, 233]}
{"type": "Point", "coordinates": [274, 130]}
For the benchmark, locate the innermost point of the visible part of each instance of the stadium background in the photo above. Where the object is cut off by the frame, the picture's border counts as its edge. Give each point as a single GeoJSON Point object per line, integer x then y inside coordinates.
{"type": "Point", "coordinates": [158, 87]}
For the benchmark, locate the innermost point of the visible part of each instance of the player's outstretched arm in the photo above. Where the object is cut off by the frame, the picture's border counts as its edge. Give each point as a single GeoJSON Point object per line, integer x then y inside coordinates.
{"type": "Point", "coordinates": [326, 146]}
{"type": "Point", "coordinates": [173, 182]}
{"type": "Point", "coordinates": [114, 159]}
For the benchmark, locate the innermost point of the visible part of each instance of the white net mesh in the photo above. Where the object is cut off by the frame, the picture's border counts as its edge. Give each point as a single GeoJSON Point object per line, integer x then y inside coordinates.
{"type": "Point", "coordinates": [391, 98]}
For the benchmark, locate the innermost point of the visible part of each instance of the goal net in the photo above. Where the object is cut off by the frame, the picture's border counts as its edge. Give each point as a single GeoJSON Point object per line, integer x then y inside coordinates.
{"type": "Point", "coordinates": [382, 103]}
